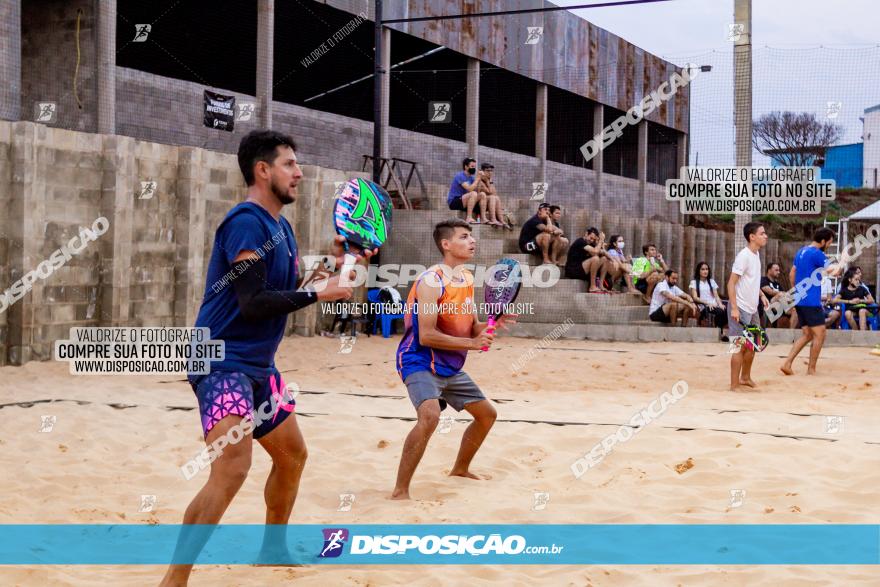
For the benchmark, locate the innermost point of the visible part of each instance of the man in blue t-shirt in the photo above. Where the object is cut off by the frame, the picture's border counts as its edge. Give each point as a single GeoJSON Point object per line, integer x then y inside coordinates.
{"type": "Point", "coordinates": [806, 277]}
{"type": "Point", "coordinates": [463, 192]}
{"type": "Point", "coordinates": [253, 283]}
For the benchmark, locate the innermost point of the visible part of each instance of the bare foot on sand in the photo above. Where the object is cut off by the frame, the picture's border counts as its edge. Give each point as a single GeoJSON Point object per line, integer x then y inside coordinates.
{"type": "Point", "coordinates": [469, 475]}
{"type": "Point", "coordinates": [786, 369]}
{"type": "Point", "coordinates": [280, 557]}
{"type": "Point", "coordinates": [400, 494]}
{"type": "Point", "coordinates": [748, 383]}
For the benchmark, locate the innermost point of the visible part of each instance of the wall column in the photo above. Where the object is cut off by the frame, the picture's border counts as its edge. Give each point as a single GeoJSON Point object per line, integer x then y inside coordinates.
{"type": "Point", "coordinates": [265, 60]}
{"type": "Point", "coordinates": [386, 92]}
{"type": "Point", "coordinates": [10, 65]}
{"type": "Point", "coordinates": [681, 161]}
{"type": "Point", "coordinates": [106, 67]}
{"type": "Point", "coordinates": [599, 159]}
{"type": "Point", "coordinates": [642, 166]}
{"type": "Point", "coordinates": [541, 130]}
{"type": "Point", "coordinates": [472, 125]}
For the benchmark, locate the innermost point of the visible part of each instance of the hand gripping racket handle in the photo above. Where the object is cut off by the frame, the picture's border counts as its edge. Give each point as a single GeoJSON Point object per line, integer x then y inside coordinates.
{"type": "Point", "coordinates": [347, 265]}
{"type": "Point", "coordinates": [490, 329]}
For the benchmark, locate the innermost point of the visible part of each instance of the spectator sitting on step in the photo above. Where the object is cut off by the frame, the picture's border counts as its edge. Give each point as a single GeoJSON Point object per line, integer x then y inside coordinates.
{"type": "Point", "coordinates": [587, 258]}
{"type": "Point", "coordinates": [668, 302]}
{"type": "Point", "coordinates": [648, 270]}
{"type": "Point", "coordinates": [704, 291]}
{"type": "Point", "coordinates": [856, 298]}
{"type": "Point", "coordinates": [493, 213]}
{"type": "Point", "coordinates": [560, 243]}
{"type": "Point", "coordinates": [832, 314]}
{"type": "Point", "coordinates": [619, 265]}
{"type": "Point", "coordinates": [536, 236]}
{"type": "Point", "coordinates": [773, 290]}
{"type": "Point", "coordinates": [463, 192]}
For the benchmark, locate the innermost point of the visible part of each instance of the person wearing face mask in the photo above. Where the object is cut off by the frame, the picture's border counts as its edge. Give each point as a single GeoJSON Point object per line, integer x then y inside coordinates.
{"type": "Point", "coordinates": [619, 265]}
{"type": "Point", "coordinates": [464, 191]}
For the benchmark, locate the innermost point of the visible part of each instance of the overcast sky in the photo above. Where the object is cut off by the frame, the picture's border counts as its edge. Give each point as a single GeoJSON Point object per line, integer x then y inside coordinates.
{"type": "Point", "coordinates": [790, 70]}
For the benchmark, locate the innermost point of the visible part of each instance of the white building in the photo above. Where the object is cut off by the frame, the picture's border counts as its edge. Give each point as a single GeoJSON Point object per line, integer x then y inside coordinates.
{"type": "Point", "coordinates": [871, 156]}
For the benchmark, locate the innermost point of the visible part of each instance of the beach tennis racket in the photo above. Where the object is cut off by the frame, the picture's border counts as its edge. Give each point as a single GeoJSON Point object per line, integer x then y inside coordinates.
{"type": "Point", "coordinates": [361, 214]}
{"type": "Point", "coordinates": [755, 337]}
{"type": "Point", "coordinates": [502, 287]}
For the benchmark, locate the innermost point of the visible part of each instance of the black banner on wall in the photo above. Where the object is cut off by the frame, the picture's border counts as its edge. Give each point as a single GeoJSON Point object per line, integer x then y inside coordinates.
{"type": "Point", "coordinates": [219, 111]}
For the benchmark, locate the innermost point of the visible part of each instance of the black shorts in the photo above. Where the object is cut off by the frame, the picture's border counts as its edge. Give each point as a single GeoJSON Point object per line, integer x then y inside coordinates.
{"type": "Point", "coordinates": [810, 315]}
{"type": "Point", "coordinates": [456, 204]}
{"type": "Point", "coordinates": [659, 316]}
{"type": "Point", "coordinates": [576, 273]}
{"type": "Point", "coordinates": [642, 285]}
{"type": "Point", "coordinates": [531, 248]}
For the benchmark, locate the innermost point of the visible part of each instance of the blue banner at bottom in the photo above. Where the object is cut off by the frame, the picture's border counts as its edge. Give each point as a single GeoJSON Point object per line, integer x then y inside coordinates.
{"type": "Point", "coordinates": [518, 544]}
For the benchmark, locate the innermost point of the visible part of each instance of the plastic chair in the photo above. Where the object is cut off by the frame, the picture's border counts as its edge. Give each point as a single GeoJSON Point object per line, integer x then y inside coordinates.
{"type": "Point", "coordinates": [873, 319]}
{"type": "Point", "coordinates": [386, 319]}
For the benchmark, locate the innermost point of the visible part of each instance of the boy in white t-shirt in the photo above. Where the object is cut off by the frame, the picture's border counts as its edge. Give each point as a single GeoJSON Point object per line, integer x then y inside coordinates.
{"type": "Point", "coordinates": [744, 288]}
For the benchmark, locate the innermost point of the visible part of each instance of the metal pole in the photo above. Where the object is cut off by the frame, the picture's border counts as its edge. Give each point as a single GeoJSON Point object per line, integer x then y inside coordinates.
{"type": "Point", "coordinates": [742, 100]}
{"type": "Point", "coordinates": [377, 92]}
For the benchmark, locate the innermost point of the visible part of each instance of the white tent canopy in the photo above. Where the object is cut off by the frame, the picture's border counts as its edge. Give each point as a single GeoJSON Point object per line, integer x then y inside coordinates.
{"type": "Point", "coordinates": [871, 212]}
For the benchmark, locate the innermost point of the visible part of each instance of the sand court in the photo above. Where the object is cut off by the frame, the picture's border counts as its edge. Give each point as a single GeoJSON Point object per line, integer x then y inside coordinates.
{"type": "Point", "coordinates": [799, 450]}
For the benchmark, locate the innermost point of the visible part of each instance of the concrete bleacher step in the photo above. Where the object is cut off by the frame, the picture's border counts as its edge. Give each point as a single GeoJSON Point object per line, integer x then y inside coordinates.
{"type": "Point", "coordinates": [486, 232]}
{"type": "Point", "coordinates": [511, 244]}
{"type": "Point", "coordinates": [612, 300]}
{"type": "Point", "coordinates": [523, 259]}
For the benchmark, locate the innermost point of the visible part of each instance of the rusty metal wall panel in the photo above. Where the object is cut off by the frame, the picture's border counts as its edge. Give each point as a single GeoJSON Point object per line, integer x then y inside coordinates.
{"type": "Point", "coordinates": [684, 104]}
{"type": "Point", "coordinates": [554, 29]}
{"type": "Point", "coordinates": [670, 105]}
{"type": "Point", "coordinates": [593, 92]}
{"type": "Point", "coordinates": [639, 75]}
{"type": "Point", "coordinates": [492, 34]}
{"type": "Point", "coordinates": [628, 74]}
{"type": "Point", "coordinates": [580, 69]}
{"type": "Point", "coordinates": [663, 110]}
{"type": "Point", "coordinates": [574, 54]}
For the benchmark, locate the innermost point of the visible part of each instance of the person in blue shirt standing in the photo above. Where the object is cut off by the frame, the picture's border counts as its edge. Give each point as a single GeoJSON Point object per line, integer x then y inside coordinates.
{"type": "Point", "coordinates": [464, 193]}
{"type": "Point", "coordinates": [807, 262]}
{"type": "Point", "coordinates": [253, 283]}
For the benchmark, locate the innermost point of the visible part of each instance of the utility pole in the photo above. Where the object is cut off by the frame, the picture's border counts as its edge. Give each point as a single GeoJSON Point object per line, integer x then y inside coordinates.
{"type": "Point", "coordinates": [742, 100]}
{"type": "Point", "coordinates": [377, 92]}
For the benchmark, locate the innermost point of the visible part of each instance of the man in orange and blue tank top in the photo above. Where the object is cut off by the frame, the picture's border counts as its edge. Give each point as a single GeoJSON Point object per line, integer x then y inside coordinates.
{"type": "Point", "coordinates": [441, 327]}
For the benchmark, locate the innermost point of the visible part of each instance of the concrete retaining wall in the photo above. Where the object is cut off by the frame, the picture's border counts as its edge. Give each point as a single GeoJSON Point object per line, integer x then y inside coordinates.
{"type": "Point", "coordinates": [149, 267]}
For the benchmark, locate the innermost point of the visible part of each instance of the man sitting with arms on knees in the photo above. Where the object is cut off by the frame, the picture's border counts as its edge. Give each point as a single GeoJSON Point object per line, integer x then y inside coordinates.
{"type": "Point", "coordinates": [773, 290]}
{"type": "Point", "coordinates": [668, 302]}
{"type": "Point", "coordinates": [493, 213]}
{"type": "Point", "coordinates": [648, 270]}
{"type": "Point", "coordinates": [464, 193]}
{"type": "Point", "coordinates": [559, 245]}
{"type": "Point", "coordinates": [587, 257]}
{"type": "Point", "coordinates": [537, 234]}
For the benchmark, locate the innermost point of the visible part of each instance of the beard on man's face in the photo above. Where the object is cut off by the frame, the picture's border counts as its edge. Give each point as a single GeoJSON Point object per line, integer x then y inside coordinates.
{"type": "Point", "coordinates": [282, 193]}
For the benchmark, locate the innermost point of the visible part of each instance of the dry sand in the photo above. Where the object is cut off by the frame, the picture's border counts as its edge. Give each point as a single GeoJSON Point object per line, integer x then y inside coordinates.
{"type": "Point", "coordinates": [122, 441]}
